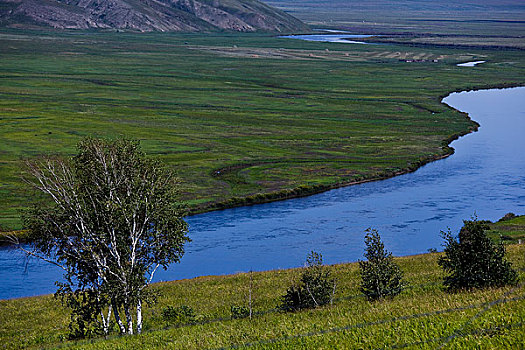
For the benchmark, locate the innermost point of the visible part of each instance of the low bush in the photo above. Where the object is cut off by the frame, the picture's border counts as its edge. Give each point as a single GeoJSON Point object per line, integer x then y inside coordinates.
{"type": "Point", "coordinates": [179, 315]}
{"type": "Point", "coordinates": [239, 311]}
{"type": "Point", "coordinates": [507, 217]}
{"type": "Point", "coordinates": [316, 286]}
{"type": "Point", "coordinates": [474, 260]}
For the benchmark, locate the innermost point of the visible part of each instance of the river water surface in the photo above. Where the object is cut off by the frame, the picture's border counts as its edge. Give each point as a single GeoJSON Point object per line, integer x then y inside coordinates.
{"type": "Point", "coordinates": [330, 38]}
{"type": "Point", "coordinates": [485, 176]}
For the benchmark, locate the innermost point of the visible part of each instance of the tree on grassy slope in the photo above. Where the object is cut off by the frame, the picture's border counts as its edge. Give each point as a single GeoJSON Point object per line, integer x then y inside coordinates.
{"type": "Point", "coordinates": [380, 275]}
{"type": "Point", "coordinates": [315, 288]}
{"type": "Point", "coordinates": [473, 260]}
{"type": "Point", "coordinates": [112, 222]}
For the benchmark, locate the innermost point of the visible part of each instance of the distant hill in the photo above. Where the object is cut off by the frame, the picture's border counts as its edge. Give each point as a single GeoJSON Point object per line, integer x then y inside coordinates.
{"type": "Point", "coordinates": [148, 15]}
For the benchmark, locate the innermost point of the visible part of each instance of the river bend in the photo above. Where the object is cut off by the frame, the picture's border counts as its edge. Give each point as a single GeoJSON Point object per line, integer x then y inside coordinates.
{"type": "Point", "coordinates": [485, 176]}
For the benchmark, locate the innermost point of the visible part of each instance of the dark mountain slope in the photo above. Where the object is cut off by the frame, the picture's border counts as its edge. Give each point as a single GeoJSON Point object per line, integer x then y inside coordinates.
{"type": "Point", "coordinates": [148, 15]}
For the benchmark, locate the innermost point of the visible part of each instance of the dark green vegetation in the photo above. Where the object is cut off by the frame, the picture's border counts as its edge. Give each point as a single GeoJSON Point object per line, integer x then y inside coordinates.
{"type": "Point", "coordinates": [180, 315]}
{"type": "Point", "coordinates": [422, 316]}
{"type": "Point", "coordinates": [494, 23]}
{"type": "Point", "coordinates": [240, 118]}
{"type": "Point", "coordinates": [316, 287]}
{"type": "Point", "coordinates": [380, 275]}
{"type": "Point", "coordinates": [473, 260]}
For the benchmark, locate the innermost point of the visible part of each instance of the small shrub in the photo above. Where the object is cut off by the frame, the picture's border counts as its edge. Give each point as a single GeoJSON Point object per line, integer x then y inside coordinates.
{"type": "Point", "coordinates": [179, 315]}
{"type": "Point", "coordinates": [315, 288]}
{"type": "Point", "coordinates": [85, 308]}
{"type": "Point", "coordinates": [239, 311]}
{"type": "Point", "coordinates": [380, 275]}
{"type": "Point", "coordinates": [508, 216]}
{"type": "Point", "coordinates": [474, 260]}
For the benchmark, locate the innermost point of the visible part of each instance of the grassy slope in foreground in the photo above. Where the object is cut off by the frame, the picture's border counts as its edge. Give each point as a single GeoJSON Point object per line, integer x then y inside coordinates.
{"type": "Point", "coordinates": [423, 316]}
{"type": "Point", "coordinates": [236, 116]}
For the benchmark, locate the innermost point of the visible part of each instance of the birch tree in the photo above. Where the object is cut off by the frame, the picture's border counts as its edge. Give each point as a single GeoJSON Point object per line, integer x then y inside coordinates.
{"type": "Point", "coordinates": [381, 277]}
{"type": "Point", "coordinates": [111, 223]}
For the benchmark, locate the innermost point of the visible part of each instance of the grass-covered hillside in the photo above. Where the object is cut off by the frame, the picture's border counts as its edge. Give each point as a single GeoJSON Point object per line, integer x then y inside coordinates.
{"type": "Point", "coordinates": [423, 316]}
{"type": "Point", "coordinates": [235, 116]}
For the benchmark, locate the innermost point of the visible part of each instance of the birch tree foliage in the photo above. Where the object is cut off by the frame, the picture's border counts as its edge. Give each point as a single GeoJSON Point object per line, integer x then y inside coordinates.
{"type": "Point", "coordinates": [112, 221]}
{"type": "Point", "coordinates": [381, 277]}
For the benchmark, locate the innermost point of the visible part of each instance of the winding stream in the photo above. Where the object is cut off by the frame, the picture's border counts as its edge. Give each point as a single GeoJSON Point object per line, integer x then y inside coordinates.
{"type": "Point", "coordinates": [330, 38]}
{"type": "Point", "coordinates": [485, 176]}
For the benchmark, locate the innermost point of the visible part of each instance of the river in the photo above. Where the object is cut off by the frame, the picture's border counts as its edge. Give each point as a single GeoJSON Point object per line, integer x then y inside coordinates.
{"type": "Point", "coordinates": [485, 176]}
{"type": "Point", "coordinates": [330, 38]}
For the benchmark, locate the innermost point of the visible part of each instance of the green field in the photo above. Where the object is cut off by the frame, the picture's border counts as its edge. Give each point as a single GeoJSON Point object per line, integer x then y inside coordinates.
{"type": "Point", "coordinates": [423, 316]}
{"type": "Point", "coordinates": [239, 118]}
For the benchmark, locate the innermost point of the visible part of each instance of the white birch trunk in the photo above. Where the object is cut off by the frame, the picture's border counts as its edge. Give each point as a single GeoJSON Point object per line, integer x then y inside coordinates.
{"type": "Point", "coordinates": [129, 319]}
{"type": "Point", "coordinates": [139, 317]}
{"type": "Point", "coordinates": [105, 321]}
{"type": "Point", "coordinates": [117, 318]}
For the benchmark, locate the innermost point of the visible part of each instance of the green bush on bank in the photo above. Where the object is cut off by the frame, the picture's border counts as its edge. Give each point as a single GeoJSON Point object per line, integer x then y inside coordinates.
{"type": "Point", "coordinates": [180, 315]}
{"type": "Point", "coordinates": [316, 286]}
{"type": "Point", "coordinates": [380, 276]}
{"type": "Point", "coordinates": [473, 260]}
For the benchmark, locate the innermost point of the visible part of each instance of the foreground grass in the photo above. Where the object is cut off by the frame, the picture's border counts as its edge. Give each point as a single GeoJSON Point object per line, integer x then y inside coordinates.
{"type": "Point", "coordinates": [238, 125]}
{"type": "Point", "coordinates": [423, 316]}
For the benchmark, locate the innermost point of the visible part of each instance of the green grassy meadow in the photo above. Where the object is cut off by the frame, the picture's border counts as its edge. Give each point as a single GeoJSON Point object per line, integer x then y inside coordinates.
{"type": "Point", "coordinates": [246, 118]}
{"type": "Point", "coordinates": [423, 316]}
{"type": "Point", "coordinates": [239, 118]}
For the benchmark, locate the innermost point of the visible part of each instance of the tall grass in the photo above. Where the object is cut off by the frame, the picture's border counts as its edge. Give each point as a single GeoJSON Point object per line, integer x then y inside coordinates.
{"type": "Point", "coordinates": [423, 315]}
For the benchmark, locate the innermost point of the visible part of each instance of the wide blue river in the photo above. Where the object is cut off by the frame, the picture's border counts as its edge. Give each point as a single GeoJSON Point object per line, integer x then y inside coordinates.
{"type": "Point", "coordinates": [486, 176]}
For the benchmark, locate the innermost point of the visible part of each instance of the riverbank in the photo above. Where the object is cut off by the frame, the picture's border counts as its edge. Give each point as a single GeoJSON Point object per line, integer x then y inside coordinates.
{"type": "Point", "coordinates": [301, 191]}
{"type": "Point", "coordinates": [306, 190]}
{"type": "Point", "coordinates": [422, 315]}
